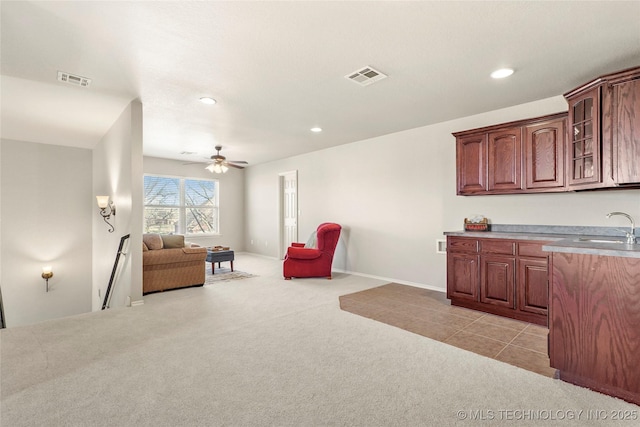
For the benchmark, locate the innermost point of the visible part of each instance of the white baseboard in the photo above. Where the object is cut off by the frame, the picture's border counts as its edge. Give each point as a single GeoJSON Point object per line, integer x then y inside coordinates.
{"type": "Point", "coordinates": [389, 279]}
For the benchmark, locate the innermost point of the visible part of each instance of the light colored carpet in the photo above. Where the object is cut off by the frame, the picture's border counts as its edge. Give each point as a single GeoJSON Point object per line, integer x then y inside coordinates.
{"type": "Point", "coordinates": [264, 352]}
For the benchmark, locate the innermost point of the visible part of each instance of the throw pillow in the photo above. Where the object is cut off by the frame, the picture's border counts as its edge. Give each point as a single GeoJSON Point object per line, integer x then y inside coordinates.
{"type": "Point", "coordinates": [145, 248]}
{"type": "Point", "coordinates": [153, 241]}
{"type": "Point", "coordinates": [312, 242]}
{"type": "Point", "coordinates": [172, 241]}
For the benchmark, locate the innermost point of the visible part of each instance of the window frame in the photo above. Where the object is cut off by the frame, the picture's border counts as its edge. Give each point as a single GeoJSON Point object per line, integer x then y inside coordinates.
{"type": "Point", "coordinates": [182, 207]}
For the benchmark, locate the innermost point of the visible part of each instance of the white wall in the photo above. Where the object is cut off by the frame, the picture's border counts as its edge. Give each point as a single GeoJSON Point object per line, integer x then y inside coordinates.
{"type": "Point", "coordinates": [231, 198]}
{"type": "Point", "coordinates": [395, 195]}
{"type": "Point", "coordinates": [46, 219]}
{"type": "Point", "coordinates": [117, 173]}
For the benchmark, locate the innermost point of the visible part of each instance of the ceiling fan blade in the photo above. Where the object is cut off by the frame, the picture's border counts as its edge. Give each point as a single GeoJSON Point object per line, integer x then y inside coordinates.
{"type": "Point", "coordinates": [238, 161]}
{"type": "Point", "coordinates": [195, 163]}
{"type": "Point", "coordinates": [234, 166]}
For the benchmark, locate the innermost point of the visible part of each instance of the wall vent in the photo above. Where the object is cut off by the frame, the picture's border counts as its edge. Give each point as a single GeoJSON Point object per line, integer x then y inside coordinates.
{"type": "Point", "coordinates": [365, 76]}
{"type": "Point", "coordinates": [72, 79]}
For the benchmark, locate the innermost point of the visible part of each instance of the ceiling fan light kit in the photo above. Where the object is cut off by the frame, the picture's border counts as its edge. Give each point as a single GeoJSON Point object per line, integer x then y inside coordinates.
{"type": "Point", "coordinates": [217, 168]}
{"type": "Point", "coordinates": [220, 164]}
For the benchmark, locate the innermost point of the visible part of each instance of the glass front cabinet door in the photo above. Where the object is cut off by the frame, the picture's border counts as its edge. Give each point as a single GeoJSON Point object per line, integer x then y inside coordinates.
{"type": "Point", "coordinates": [584, 142]}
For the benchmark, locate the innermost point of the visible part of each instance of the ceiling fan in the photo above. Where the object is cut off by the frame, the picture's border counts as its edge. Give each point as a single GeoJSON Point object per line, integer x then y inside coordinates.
{"type": "Point", "coordinates": [220, 164]}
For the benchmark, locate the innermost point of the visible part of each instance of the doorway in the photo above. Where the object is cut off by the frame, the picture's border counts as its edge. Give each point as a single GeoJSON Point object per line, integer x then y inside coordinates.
{"type": "Point", "coordinates": [288, 210]}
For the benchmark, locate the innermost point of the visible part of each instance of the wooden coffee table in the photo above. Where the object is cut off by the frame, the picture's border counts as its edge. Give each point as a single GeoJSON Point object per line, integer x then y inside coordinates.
{"type": "Point", "coordinates": [219, 256]}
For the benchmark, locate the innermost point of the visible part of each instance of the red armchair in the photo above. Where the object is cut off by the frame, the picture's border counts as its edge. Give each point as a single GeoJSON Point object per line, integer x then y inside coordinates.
{"type": "Point", "coordinates": [313, 262]}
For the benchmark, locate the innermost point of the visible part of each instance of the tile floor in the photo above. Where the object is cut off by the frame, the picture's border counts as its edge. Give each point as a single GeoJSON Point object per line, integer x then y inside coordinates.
{"type": "Point", "coordinates": [430, 314]}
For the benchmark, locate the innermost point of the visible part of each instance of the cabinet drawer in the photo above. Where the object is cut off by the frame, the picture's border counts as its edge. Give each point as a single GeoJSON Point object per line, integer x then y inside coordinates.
{"type": "Point", "coordinates": [462, 244]}
{"type": "Point", "coordinates": [532, 249]}
{"type": "Point", "coordinates": [498, 246]}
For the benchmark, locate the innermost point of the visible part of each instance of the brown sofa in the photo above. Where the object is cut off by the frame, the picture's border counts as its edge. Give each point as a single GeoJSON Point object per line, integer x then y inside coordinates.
{"type": "Point", "coordinates": [169, 263]}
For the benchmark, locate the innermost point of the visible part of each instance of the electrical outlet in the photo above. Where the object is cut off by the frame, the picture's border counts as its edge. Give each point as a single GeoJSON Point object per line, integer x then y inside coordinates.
{"type": "Point", "coordinates": [266, 243]}
{"type": "Point", "coordinates": [252, 241]}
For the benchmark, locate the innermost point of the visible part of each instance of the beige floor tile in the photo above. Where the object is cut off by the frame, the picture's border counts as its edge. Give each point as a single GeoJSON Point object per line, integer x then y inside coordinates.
{"type": "Point", "coordinates": [537, 330]}
{"type": "Point", "coordinates": [476, 343]}
{"type": "Point", "coordinates": [495, 332]}
{"type": "Point", "coordinates": [431, 330]}
{"type": "Point", "coordinates": [527, 359]}
{"type": "Point", "coordinates": [430, 314]}
{"type": "Point", "coordinates": [504, 322]}
{"type": "Point", "coordinates": [360, 308]}
{"type": "Point", "coordinates": [461, 311]}
{"type": "Point", "coordinates": [531, 342]}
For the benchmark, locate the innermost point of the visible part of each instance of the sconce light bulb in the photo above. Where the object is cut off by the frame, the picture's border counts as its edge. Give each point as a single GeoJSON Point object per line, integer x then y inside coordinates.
{"type": "Point", "coordinates": [103, 204]}
{"type": "Point", "coordinates": [47, 273]}
{"type": "Point", "coordinates": [103, 201]}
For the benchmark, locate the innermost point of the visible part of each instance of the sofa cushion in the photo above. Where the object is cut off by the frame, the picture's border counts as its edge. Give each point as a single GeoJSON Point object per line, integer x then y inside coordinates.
{"type": "Point", "coordinates": [172, 241]}
{"type": "Point", "coordinates": [153, 241]}
{"type": "Point", "coordinates": [172, 258]}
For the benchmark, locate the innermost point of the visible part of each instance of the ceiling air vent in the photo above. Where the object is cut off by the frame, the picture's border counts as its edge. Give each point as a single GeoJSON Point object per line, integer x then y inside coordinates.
{"type": "Point", "coordinates": [365, 76]}
{"type": "Point", "coordinates": [73, 79]}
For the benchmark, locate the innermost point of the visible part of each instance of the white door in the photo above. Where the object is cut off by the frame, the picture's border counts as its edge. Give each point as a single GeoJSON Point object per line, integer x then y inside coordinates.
{"type": "Point", "coordinates": [288, 210]}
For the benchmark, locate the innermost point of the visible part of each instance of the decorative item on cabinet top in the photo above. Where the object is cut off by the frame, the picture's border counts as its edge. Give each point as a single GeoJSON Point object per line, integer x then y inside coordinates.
{"type": "Point", "coordinates": [476, 223]}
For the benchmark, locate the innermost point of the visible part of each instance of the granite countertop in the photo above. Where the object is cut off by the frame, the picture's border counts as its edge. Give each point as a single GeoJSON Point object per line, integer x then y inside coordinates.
{"type": "Point", "coordinates": [562, 238]}
{"type": "Point", "coordinates": [577, 245]}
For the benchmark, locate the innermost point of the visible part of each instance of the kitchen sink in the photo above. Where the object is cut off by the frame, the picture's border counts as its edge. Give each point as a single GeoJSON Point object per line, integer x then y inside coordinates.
{"type": "Point", "coordinates": [602, 240]}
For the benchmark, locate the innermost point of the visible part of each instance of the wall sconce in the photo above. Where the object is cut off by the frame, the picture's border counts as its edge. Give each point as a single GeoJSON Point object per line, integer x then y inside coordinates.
{"type": "Point", "coordinates": [104, 204]}
{"type": "Point", "coordinates": [47, 274]}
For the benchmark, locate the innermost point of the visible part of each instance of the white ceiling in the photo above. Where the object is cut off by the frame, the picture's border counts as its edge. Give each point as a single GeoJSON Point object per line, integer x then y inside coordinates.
{"type": "Point", "coordinates": [277, 68]}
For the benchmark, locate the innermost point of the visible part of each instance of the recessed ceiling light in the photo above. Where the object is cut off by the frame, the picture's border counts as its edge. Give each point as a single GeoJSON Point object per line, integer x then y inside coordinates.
{"type": "Point", "coordinates": [207, 100]}
{"type": "Point", "coordinates": [502, 73]}
{"type": "Point", "coordinates": [316, 129]}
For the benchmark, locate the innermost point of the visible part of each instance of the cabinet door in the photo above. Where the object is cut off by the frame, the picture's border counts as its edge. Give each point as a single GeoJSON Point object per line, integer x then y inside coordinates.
{"type": "Point", "coordinates": [471, 164]}
{"type": "Point", "coordinates": [505, 160]}
{"type": "Point", "coordinates": [544, 155]}
{"type": "Point", "coordinates": [583, 145]}
{"type": "Point", "coordinates": [462, 276]}
{"type": "Point", "coordinates": [497, 280]}
{"type": "Point", "coordinates": [533, 285]}
{"type": "Point", "coordinates": [626, 132]}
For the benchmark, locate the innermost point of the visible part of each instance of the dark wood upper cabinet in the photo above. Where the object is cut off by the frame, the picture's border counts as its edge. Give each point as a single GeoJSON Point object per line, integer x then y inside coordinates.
{"type": "Point", "coordinates": [525, 156]}
{"type": "Point", "coordinates": [544, 154]}
{"type": "Point", "coordinates": [472, 164]}
{"type": "Point", "coordinates": [596, 145]}
{"type": "Point", "coordinates": [505, 159]}
{"type": "Point", "coordinates": [621, 126]}
{"type": "Point", "coordinates": [584, 146]}
{"type": "Point", "coordinates": [603, 148]}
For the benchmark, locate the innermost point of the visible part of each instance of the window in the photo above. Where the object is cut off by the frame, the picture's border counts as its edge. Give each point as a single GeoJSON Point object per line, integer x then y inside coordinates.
{"type": "Point", "coordinates": [180, 205]}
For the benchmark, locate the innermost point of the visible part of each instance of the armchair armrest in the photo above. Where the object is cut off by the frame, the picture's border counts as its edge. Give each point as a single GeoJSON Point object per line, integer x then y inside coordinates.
{"type": "Point", "coordinates": [297, 245]}
{"type": "Point", "coordinates": [303, 253]}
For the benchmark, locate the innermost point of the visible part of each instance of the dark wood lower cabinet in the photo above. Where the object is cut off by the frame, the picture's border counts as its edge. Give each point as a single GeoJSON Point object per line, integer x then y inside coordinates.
{"type": "Point", "coordinates": [533, 277]}
{"type": "Point", "coordinates": [594, 322]}
{"type": "Point", "coordinates": [497, 281]}
{"type": "Point", "coordinates": [500, 276]}
{"type": "Point", "coordinates": [463, 268]}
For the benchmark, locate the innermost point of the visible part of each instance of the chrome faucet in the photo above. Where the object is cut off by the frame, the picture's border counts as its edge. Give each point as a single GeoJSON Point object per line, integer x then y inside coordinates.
{"type": "Point", "coordinates": [631, 236]}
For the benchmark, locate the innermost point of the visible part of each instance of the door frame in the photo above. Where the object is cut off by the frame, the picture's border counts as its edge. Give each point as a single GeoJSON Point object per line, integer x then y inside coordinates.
{"type": "Point", "coordinates": [282, 246]}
